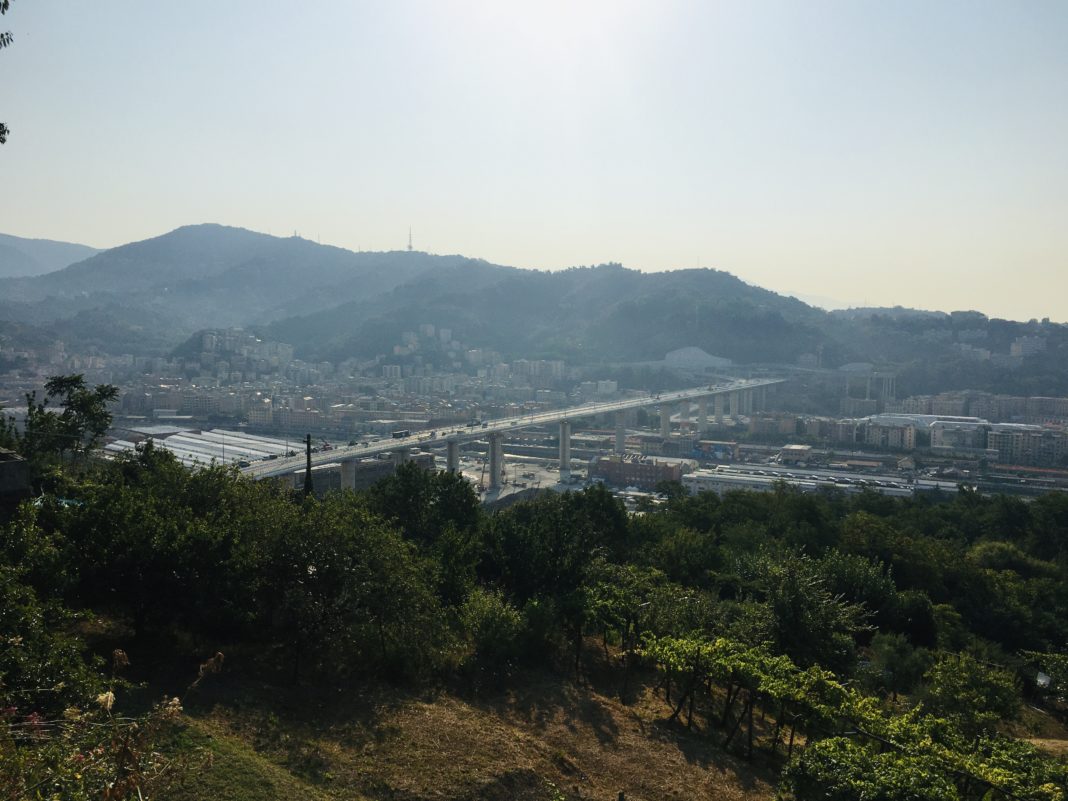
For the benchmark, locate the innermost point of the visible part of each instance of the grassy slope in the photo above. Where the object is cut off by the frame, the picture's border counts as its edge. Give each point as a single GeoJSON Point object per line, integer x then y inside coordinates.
{"type": "Point", "coordinates": [551, 740]}
{"type": "Point", "coordinates": [234, 771]}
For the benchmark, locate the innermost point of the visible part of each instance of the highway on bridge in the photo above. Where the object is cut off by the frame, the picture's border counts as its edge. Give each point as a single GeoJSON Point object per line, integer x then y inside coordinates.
{"type": "Point", "coordinates": [483, 429]}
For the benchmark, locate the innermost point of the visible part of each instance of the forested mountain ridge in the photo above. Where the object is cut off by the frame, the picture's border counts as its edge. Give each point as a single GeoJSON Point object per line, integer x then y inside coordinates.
{"type": "Point", "coordinates": [216, 275]}
{"type": "Point", "coordinates": [605, 312]}
{"type": "Point", "coordinates": [330, 303]}
{"type": "Point", "coordinates": [26, 257]}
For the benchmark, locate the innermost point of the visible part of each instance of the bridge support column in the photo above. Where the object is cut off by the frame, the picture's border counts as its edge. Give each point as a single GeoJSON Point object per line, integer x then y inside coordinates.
{"type": "Point", "coordinates": [763, 399]}
{"type": "Point", "coordinates": [621, 431]}
{"type": "Point", "coordinates": [495, 454]}
{"type": "Point", "coordinates": [702, 414]}
{"type": "Point", "coordinates": [452, 456]}
{"type": "Point", "coordinates": [736, 403]}
{"type": "Point", "coordinates": [684, 415]}
{"type": "Point", "coordinates": [348, 474]}
{"type": "Point", "coordinates": [565, 450]}
{"type": "Point", "coordinates": [665, 420]}
{"type": "Point", "coordinates": [720, 401]}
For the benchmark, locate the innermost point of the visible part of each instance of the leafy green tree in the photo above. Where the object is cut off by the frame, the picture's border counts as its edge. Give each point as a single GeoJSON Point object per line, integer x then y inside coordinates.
{"type": "Point", "coordinates": [975, 696]}
{"type": "Point", "coordinates": [441, 514]}
{"type": "Point", "coordinates": [424, 503]}
{"type": "Point", "coordinates": [913, 615]}
{"type": "Point", "coordinates": [77, 429]}
{"type": "Point", "coordinates": [494, 631]}
{"type": "Point", "coordinates": [43, 558]}
{"type": "Point", "coordinates": [801, 520]}
{"type": "Point", "coordinates": [41, 664]}
{"type": "Point", "coordinates": [685, 555]}
{"type": "Point", "coordinates": [1055, 666]}
{"type": "Point", "coordinates": [859, 581]}
{"type": "Point", "coordinates": [5, 40]}
{"type": "Point", "coordinates": [838, 769]}
{"type": "Point", "coordinates": [1048, 537]}
{"type": "Point", "coordinates": [1001, 556]}
{"type": "Point", "coordinates": [810, 624]}
{"type": "Point", "coordinates": [897, 665]}
{"type": "Point", "coordinates": [543, 552]}
{"type": "Point", "coordinates": [349, 595]}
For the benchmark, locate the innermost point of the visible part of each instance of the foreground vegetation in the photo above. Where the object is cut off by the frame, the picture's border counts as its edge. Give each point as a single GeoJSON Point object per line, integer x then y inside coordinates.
{"type": "Point", "coordinates": [857, 647]}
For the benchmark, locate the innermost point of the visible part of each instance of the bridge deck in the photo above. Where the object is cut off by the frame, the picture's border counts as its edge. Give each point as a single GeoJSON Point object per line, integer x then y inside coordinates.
{"type": "Point", "coordinates": [295, 464]}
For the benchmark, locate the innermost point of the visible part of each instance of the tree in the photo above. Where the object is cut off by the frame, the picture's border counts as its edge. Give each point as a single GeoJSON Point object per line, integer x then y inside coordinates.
{"type": "Point", "coordinates": [5, 39]}
{"type": "Point", "coordinates": [972, 694]}
{"type": "Point", "coordinates": [440, 513]}
{"type": "Point", "coordinates": [810, 624]}
{"type": "Point", "coordinates": [837, 769]}
{"type": "Point", "coordinates": [425, 504]}
{"type": "Point", "coordinates": [77, 429]}
{"type": "Point", "coordinates": [898, 664]}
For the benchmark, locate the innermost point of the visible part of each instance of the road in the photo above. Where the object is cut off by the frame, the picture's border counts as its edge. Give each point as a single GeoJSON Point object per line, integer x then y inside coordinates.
{"type": "Point", "coordinates": [285, 466]}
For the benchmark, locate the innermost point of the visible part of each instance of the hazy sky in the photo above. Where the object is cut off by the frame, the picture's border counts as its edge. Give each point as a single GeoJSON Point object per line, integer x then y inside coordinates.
{"type": "Point", "coordinates": [892, 152]}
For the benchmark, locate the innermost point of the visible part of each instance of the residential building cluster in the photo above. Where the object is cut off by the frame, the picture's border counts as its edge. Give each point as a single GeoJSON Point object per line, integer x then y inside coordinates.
{"type": "Point", "coordinates": [996, 408]}
{"type": "Point", "coordinates": [1028, 444]}
{"type": "Point", "coordinates": [427, 379]}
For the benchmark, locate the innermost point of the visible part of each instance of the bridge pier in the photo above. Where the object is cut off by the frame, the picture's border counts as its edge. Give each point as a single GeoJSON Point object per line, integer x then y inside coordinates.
{"type": "Point", "coordinates": [495, 454]}
{"type": "Point", "coordinates": [684, 415]}
{"type": "Point", "coordinates": [720, 403]}
{"type": "Point", "coordinates": [736, 405]}
{"type": "Point", "coordinates": [621, 431]}
{"type": "Point", "coordinates": [702, 415]}
{"type": "Point", "coordinates": [665, 420]}
{"type": "Point", "coordinates": [348, 474]}
{"type": "Point", "coordinates": [565, 450]}
{"type": "Point", "coordinates": [452, 455]}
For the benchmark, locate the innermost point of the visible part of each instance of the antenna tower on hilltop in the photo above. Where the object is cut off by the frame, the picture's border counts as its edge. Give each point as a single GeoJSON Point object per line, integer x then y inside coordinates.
{"type": "Point", "coordinates": [409, 239]}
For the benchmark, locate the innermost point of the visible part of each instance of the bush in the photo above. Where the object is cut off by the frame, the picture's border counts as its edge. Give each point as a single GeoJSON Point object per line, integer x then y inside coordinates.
{"type": "Point", "coordinates": [494, 630]}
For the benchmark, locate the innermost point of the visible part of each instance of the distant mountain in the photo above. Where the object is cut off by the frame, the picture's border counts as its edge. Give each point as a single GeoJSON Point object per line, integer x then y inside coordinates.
{"type": "Point", "coordinates": [582, 314]}
{"type": "Point", "coordinates": [330, 303]}
{"type": "Point", "coordinates": [208, 276]}
{"type": "Point", "coordinates": [25, 257]}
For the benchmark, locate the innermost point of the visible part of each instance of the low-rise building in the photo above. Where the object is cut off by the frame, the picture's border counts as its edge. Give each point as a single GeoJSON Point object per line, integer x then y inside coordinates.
{"type": "Point", "coordinates": [644, 472]}
{"type": "Point", "coordinates": [795, 454]}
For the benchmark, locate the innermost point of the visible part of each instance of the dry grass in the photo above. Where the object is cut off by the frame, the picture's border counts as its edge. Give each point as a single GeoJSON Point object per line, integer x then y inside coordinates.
{"type": "Point", "coordinates": [552, 738]}
{"type": "Point", "coordinates": [1040, 727]}
{"type": "Point", "coordinates": [547, 738]}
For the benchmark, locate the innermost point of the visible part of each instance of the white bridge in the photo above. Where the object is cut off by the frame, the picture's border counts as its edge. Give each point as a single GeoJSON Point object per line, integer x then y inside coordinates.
{"type": "Point", "coordinates": [733, 398]}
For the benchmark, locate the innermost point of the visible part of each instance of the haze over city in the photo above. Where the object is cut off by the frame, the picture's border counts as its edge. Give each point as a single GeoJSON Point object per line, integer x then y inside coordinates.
{"type": "Point", "coordinates": [879, 154]}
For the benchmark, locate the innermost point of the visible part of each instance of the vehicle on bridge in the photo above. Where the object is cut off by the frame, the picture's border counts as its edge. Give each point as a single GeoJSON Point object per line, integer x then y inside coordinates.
{"type": "Point", "coordinates": [403, 433]}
